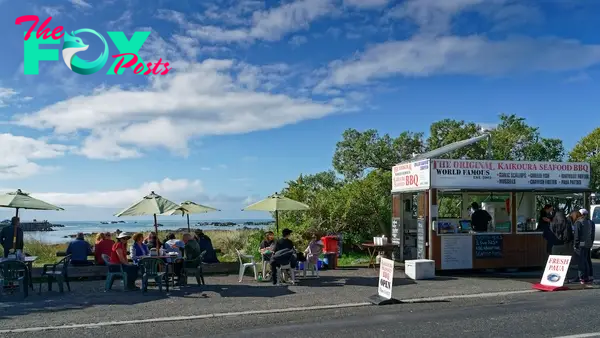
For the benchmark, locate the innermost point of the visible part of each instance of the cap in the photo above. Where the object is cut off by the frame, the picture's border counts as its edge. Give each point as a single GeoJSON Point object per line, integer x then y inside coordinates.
{"type": "Point", "coordinates": [124, 235]}
{"type": "Point", "coordinates": [286, 232]}
{"type": "Point", "coordinates": [583, 211]}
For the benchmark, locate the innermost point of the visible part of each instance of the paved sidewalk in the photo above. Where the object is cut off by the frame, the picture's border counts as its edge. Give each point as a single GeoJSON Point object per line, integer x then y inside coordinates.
{"type": "Point", "coordinates": [88, 303]}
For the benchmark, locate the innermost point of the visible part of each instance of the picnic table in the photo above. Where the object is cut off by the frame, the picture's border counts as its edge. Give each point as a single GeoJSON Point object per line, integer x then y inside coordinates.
{"type": "Point", "coordinates": [28, 260]}
{"type": "Point", "coordinates": [373, 248]}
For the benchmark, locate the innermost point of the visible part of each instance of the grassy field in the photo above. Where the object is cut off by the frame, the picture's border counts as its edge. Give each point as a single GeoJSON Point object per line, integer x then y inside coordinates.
{"type": "Point", "coordinates": [247, 241]}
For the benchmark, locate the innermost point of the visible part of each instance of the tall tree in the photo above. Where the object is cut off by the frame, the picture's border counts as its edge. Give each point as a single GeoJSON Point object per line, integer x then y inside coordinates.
{"type": "Point", "coordinates": [448, 131]}
{"type": "Point", "coordinates": [588, 150]}
{"type": "Point", "coordinates": [513, 139]}
{"type": "Point", "coordinates": [359, 152]}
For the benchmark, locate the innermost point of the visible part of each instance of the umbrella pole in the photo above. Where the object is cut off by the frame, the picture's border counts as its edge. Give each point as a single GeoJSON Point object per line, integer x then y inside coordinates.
{"type": "Point", "coordinates": [277, 222]}
{"type": "Point", "coordinates": [15, 233]}
{"type": "Point", "coordinates": [156, 227]}
{"type": "Point", "coordinates": [188, 219]}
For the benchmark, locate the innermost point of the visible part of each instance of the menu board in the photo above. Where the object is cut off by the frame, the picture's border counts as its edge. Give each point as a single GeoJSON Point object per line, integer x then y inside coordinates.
{"type": "Point", "coordinates": [457, 252]}
{"type": "Point", "coordinates": [396, 231]}
{"type": "Point", "coordinates": [421, 238]}
{"type": "Point", "coordinates": [488, 246]}
{"type": "Point", "coordinates": [508, 175]}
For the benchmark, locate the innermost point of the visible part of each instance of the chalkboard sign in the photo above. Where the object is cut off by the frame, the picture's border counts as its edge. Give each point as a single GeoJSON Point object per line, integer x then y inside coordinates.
{"type": "Point", "coordinates": [396, 233]}
{"type": "Point", "coordinates": [421, 238]}
{"type": "Point", "coordinates": [488, 246]}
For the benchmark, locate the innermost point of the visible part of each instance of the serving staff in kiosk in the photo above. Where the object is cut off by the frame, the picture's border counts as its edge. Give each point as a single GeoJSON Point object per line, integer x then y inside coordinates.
{"type": "Point", "coordinates": [544, 221]}
{"type": "Point", "coordinates": [480, 218]}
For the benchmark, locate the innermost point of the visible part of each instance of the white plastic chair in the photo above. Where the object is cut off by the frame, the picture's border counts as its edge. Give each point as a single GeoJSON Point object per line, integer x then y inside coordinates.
{"type": "Point", "coordinates": [243, 265]}
{"type": "Point", "coordinates": [289, 269]}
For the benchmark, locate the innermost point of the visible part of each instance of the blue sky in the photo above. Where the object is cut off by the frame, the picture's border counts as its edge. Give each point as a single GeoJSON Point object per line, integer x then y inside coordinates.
{"type": "Point", "coordinates": [261, 91]}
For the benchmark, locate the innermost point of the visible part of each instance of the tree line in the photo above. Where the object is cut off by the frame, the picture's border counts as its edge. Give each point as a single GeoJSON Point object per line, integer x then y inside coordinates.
{"type": "Point", "coordinates": [354, 197]}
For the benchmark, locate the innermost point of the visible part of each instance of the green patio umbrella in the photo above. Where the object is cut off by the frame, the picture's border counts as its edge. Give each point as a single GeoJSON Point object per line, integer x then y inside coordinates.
{"type": "Point", "coordinates": [189, 207]}
{"type": "Point", "coordinates": [21, 200]}
{"type": "Point", "coordinates": [152, 204]}
{"type": "Point", "coordinates": [276, 203]}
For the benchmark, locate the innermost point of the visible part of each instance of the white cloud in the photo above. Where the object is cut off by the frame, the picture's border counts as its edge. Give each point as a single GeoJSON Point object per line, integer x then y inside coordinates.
{"type": "Point", "coordinates": [197, 100]}
{"type": "Point", "coordinates": [52, 11]}
{"type": "Point", "coordinates": [18, 154]}
{"type": "Point", "coordinates": [433, 16]}
{"type": "Point", "coordinates": [366, 3]}
{"type": "Point", "coordinates": [580, 77]}
{"type": "Point", "coordinates": [205, 169]}
{"type": "Point", "coordinates": [6, 94]}
{"type": "Point", "coordinates": [252, 24]}
{"type": "Point", "coordinates": [298, 40]}
{"type": "Point", "coordinates": [81, 4]}
{"type": "Point", "coordinates": [471, 55]}
{"type": "Point", "coordinates": [173, 189]}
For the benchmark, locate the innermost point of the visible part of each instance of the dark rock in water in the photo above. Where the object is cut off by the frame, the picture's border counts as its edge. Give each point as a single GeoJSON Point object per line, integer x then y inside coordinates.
{"type": "Point", "coordinates": [39, 226]}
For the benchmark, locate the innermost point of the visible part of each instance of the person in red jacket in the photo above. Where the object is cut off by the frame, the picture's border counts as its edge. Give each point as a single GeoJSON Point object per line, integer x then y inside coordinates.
{"type": "Point", "coordinates": [104, 244]}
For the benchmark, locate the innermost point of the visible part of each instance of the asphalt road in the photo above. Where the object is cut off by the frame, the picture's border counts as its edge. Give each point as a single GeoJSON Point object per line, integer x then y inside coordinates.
{"type": "Point", "coordinates": [525, 315]}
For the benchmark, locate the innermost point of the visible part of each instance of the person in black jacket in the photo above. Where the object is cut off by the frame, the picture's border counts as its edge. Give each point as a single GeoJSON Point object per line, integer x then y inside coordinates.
{"type": "Point", "coordinates": [7, 236]}
{"type": "Point", "coordinates": [283, 253]}
{"type": "Point", "coordinates": [479, 218]}
{"type": "Point", "coordinates": [562, 235]}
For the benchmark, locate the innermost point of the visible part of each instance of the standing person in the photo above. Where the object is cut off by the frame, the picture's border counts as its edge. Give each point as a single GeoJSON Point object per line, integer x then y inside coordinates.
{"type": "Point", "coordinates": [480, 218]}
{"type": "Point", "coordinates": [282, 253]}
{"type": "Point", "coordinates": [119, 256]}
{"type": "Point", "coordinates": [562, 231]}
{"type": "Point", "coordinates": [586, 215]}
{"type": "Point", "coordinates": [584, 231]}
{"type": "Point", "coordinates": [80, 249]}
{"type": "Point", "coordinates": [544, 226]}
{"type": "Point", "coordinates": [7, 236]}
{"type": "Point", "coordinates": [104, 244]}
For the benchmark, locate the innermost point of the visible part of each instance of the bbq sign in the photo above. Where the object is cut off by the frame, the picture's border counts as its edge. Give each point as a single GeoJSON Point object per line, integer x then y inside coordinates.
{"type": "Point", "coordinates": [73, 43]}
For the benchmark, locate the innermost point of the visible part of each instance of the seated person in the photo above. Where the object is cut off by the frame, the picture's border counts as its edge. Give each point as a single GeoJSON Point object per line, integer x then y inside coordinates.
{"type": "Point", "coordinates": [200, 235]}
{"type": "Point", "coordinates": [206, 245]}
{"type": "Point", "coordinates": [79, 249]}
{"type": "Point", "coordinates": [103, 246]}
{"type": "Point", "coordinates": [314, 250]}
{"type": "Point", "coordinates": [138, 248]}
{"type": "Point", "coordinates": [267, 246]}
{"type": "Point", "coordinates": [152, 241]}
{"type": "Point", "coordinates": [283, 254]}
{"type": "Point", "coordinates": [118, 255]}
{"type": "Point", "coordinates": [191, 249]}
{"type": "Point", "coordinates": [172, 244]}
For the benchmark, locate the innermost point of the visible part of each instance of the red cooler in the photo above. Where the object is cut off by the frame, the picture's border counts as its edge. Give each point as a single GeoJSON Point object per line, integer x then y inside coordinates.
{"type": "Point", "coordinates": [330, 244]}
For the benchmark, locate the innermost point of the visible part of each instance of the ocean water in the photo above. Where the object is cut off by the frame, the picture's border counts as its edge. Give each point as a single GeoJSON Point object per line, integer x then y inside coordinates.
{"type": "Point", "coordinates": [73, 227]}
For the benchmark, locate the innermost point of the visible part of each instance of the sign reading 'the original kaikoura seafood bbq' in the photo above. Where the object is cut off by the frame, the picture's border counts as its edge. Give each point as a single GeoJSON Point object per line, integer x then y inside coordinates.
{"type": "Point", "coordinates": [509, 175]}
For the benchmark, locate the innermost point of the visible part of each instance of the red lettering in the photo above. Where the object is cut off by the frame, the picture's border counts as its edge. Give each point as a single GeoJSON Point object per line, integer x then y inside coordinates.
{"type": "Point", "coordinates": [412, 180]}
{"type": "Point", "coordinates": [155, 70]}
{"type": "Point", "coordinates": [26, 18]}
{"type": "Point", "coordinates": [138, 69]}
{"type": "Point", "coordinates": [147, 72]}
{"type": "Point", "coordinates": [43, 31]}
{"type": "Point", "coordinates": [56, 31]}
{"type": "Point", "coordinates": [167, 69]}
{"type": "Point", "coordinates": [129, 64]}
